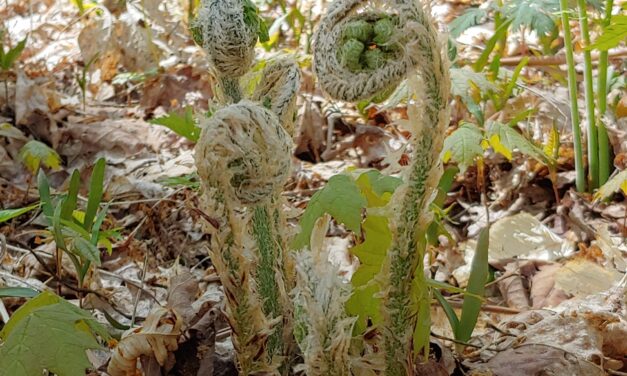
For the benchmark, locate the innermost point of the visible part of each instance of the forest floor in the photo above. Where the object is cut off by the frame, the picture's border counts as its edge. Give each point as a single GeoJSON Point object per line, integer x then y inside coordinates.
{"type": "Point", "coordinates": [90, 83]}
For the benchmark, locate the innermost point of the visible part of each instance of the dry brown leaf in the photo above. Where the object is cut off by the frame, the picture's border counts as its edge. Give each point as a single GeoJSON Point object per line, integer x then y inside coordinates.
{"type": "Point", "coordinates": [513, 287]}
{"type": "Point", "coordinates": [581, 278]}
{"type": "Point", "coordinates": [181, 294]}
{"type": "Point", "coordinates": [156, 338]}
{"type": "Point", "coordinates": [543, 290]}
{"type": "Point", "coordinates": [540, 360]}
{"type": "Point", "coordinates": [29, 97]}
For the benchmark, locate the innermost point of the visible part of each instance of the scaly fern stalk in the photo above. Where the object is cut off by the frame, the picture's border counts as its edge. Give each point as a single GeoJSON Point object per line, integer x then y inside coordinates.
{"type": "Point", "coordinates": [593, 142]}
{"type": "Point", "coordinates": [605, 164]}
{"type": "Point", "coordinates": [243, 158]}
{"type": "Point", "coordinates": [412, 48]}
{"type": "Point", "coordinates": [269, 274]}
{"type": "Point", "coordinates": [324, 331]}
{"type": "Point", "coordinates": [574, 107]}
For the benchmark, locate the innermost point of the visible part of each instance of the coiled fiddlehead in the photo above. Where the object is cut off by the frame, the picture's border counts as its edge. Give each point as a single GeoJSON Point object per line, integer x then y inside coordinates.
{"type": "Point", "coordinates": [278, 90]}
{"type": "Point", "coordinates": [228, 32]}
{"type": "Point", "coordinates": [243, 158]}
{"type": "Point", "coordinates": [414, 40]}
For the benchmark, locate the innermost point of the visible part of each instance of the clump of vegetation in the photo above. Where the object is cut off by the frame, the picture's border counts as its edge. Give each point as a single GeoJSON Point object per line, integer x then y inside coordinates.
{"type": "Point", "coordinates": [243, 160]}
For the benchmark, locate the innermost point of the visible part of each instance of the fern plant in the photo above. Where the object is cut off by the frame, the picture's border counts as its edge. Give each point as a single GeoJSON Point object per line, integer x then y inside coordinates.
{"type": "Point", "coordinates": [243, 158]}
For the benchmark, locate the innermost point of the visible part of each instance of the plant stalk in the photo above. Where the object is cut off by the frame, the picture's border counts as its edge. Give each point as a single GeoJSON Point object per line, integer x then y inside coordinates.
{"type": "Point", "coordinates": [268, 274]}
{"type": "Point", "coordinates": [593, 139]}
{"type": "Point", "coordinates": [580, 181]}
{"type": "Point", "coordinates": [605, 163]}
{"type": "Point", "coordinates": [231, 89]}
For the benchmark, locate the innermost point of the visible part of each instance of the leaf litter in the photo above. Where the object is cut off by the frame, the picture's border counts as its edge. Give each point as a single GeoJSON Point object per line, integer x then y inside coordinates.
{"type": "Point", "coordinates": [557, 268]}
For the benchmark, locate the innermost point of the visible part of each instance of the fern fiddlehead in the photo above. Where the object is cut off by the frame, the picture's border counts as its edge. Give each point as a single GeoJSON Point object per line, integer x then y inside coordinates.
{"type": "Point", "coordinates": [408, 44]}
{"type": "Point", "coordinates": [243, 158]}
{"type": "Point", "coordinates": [228, 33]}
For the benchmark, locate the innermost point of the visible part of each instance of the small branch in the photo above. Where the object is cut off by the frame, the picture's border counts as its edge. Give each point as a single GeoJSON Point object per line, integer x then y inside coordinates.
{"type": "Point", "coordinates": [559, 59]}
{"type": "Point", "coordinates": [485, 307]}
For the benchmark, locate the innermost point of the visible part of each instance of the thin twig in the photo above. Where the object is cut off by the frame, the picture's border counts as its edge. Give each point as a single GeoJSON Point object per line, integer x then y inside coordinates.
{"type": "Point", "coordinates": [438, 336]}
{"type": "Point", "coordinates": [557, 60]}
{"type": "Point", "coordinates": [487, 308]}
{"type": "Point", "coordinates": [139, 291]}
{"type": "Point", "coordinates": [134, 283]}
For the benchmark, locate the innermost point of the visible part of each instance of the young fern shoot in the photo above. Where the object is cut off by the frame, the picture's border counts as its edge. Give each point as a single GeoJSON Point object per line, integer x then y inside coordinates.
{"type": "Point", "coordinates": [243, 157]}
{"type": "Point", "coordinates": [404, 34]}
{"type": "Point", "coordinates": [229, 37]}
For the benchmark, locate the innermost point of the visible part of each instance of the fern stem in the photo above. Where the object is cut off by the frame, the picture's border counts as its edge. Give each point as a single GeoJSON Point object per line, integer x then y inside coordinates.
{"type": "Point", "coordinates": [404, 276]}
{"type": "Point", "coordinates": [604, 143]}
{"type": "Point", "coordinates": [231, 89]}
{"type": "Point", "coordinates": [574, 108]}
{"type": "Point", "coordinates": [269, 276]}
{"type": "Point", "coordinates": [593, 142]}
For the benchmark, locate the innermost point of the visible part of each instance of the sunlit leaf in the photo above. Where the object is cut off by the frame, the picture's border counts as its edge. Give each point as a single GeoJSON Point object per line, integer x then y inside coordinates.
{"type": "Point", "coordinates": [36, 153]}
{"type": "Point", "coordinates": [552, 145]}
{"type": "Point", "coordinates": [371, 254]}
{"type": "Point", "coordinates": [342, 199]}
{"type": "Point", "coordinates": [615, 184]}
{"type": "Point", "coordinates": [471, 17]}
{"type": "Point", "coordinates": [463, 146]}
{"type": "Point", "coordinates": [613, 34]}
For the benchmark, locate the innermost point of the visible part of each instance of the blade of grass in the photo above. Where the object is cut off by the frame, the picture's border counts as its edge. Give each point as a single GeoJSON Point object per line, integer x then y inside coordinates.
{"type": "Point", "coordinates": [72, 196]}
{"type": "Point", "coordinates": [8, 214]}
{"type": "Point", "coordinates": [95, 193]}
{"type": "Point", "coordinates": [448, 310]}
{"type": "Point", "coordinates": [17, 292]}
{"type": "Point", "coordinates": [476, 286]}
{"type": "Point", "coordinates": [95, 230]}
{"type": "Point", "coordinates": [490, 45]}
{"type": "Point", "coordinates": [44, 194]}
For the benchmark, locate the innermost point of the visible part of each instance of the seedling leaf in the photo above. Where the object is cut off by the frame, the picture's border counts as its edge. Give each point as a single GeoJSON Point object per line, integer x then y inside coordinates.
{"type": "Point", "coordinates": [505, 140]}
{"type": "Point", "coordinates": [8, 214]}
{"type": "Point", "coordinates": [342, 199]}
{"type": "Point", "coordinates": [463, 146]}
{"type": "Point", "coordinates": [183, 125]}
{"type": "Point", "coordinates": [48, 333]}
{"type": "Point", "coordinates": [7, 59]}
{"type": "Point", "coordinates": [95, 193]}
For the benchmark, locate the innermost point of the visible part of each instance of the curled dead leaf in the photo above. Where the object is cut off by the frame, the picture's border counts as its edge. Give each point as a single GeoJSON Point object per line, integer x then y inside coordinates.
{"type": "Point", "coordinates": [156, 338]}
